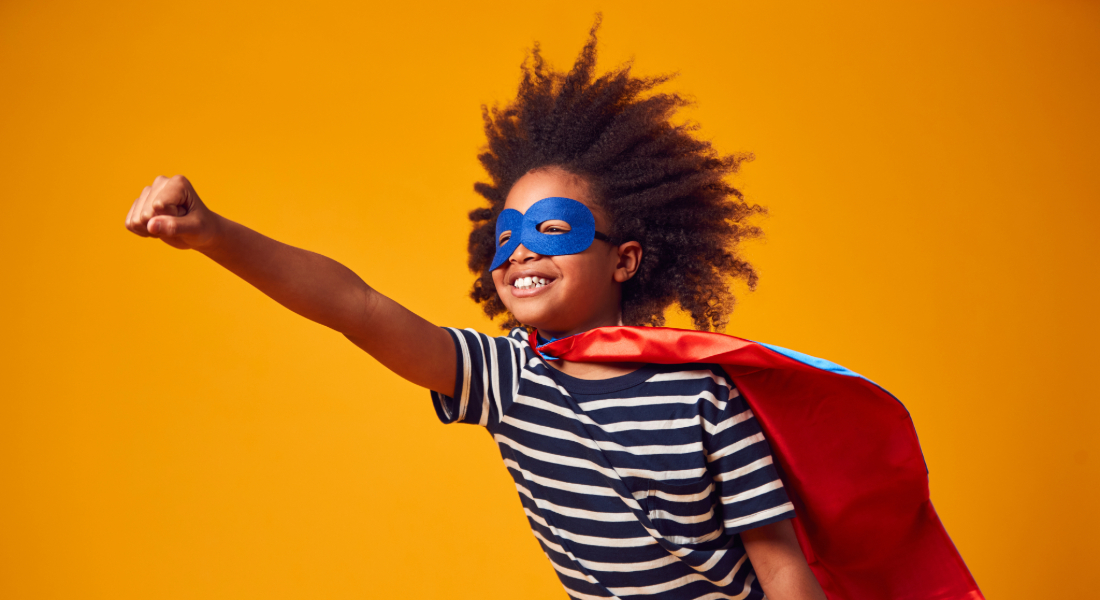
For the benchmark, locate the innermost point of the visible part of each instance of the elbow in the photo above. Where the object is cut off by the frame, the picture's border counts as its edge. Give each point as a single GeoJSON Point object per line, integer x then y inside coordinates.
{"type": "Point", "coordinates": [358, 312]}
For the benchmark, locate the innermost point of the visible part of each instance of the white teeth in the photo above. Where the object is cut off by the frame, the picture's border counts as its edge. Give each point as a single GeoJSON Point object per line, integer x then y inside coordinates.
{"type": "Point", "coordinates": [526, 283]}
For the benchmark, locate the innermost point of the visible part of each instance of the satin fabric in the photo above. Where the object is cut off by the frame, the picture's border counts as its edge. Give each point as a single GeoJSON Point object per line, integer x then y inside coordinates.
{"type": "Point", "coordinates": [847, 452]}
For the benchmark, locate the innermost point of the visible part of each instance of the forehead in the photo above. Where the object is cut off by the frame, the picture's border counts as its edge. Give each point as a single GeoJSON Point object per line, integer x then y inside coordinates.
{"type": "Point", "coordinates": [546, 183]}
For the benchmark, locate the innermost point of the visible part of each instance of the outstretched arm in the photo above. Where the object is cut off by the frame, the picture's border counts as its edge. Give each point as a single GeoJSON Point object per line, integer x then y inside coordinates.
{"type": "Point", "coordinates": [779, 563]}
{"type": "Point", "coordinates": [307, 283]}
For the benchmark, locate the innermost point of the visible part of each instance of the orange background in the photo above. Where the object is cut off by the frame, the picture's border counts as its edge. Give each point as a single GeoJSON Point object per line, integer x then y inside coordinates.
{"type": "Point", "coordinates": [166, 431]}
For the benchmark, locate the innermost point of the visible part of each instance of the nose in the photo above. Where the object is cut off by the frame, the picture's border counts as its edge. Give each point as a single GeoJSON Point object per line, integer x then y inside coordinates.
{"type": "Point", "coordinates": [522, 255]}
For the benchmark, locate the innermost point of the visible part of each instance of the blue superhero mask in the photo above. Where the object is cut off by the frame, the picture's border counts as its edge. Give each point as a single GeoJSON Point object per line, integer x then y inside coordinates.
{"type": "Point", "coordinates": [524, 228]}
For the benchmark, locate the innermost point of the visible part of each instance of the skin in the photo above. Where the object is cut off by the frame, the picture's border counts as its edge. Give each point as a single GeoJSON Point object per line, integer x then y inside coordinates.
{"type": "Point", "coordinates": [585, 292]}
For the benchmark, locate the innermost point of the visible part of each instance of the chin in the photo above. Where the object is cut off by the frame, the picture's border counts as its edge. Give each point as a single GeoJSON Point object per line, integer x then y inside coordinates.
{"type": "Point", "coordinates": [530, 316]}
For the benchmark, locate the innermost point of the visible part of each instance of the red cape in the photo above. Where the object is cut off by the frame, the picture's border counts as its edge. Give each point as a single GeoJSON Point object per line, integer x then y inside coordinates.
{"type": "Point", "coordinates": [847, 451]}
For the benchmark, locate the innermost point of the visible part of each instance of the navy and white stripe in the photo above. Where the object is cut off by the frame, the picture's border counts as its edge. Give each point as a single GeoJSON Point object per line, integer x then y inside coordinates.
{"type": "Point", "coordinates": [635, 486]}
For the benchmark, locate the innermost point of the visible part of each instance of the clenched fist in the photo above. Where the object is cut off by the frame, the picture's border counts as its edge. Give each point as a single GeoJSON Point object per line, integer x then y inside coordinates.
{"type": "Point", "coordinates": [171, 211]}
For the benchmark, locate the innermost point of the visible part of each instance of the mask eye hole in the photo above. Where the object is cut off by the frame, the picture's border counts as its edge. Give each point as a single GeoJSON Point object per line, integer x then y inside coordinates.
{"type": "Point", "coordinates": [504, 237]}
{"type": "Point", "coordinates": [554, 227]}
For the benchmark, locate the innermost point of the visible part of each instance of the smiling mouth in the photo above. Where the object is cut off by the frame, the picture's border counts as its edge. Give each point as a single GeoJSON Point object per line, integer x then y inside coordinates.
{"type": "Point", "coordinates": [530, 283]}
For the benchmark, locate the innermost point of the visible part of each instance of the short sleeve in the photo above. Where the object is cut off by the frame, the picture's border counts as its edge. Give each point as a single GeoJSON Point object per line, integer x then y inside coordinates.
{"type": "Point", "coordinates": [751, 492]}
{"type": "Point", "coordinates": [486, 371]}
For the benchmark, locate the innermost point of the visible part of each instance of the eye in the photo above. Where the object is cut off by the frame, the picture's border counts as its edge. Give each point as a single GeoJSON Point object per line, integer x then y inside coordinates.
{"type": "Point", "coordinates": [554, 227]}
{"type": "Point", "coordinates": [504, 237]}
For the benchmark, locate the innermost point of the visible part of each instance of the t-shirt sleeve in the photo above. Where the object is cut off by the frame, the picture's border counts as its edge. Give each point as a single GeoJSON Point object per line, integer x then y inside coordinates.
{"type": "Point", "coordinates": [485, 378]}
{"type": "Point", "coordinates": [751, 492]}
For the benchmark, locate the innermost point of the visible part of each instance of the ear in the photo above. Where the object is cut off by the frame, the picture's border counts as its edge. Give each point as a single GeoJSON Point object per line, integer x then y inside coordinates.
{"type": "Point", "coordinates": [630, 258]}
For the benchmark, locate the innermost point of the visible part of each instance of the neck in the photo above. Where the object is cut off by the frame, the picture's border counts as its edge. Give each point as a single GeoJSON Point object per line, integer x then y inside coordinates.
{"type": "Point", "coordinates": [589, 370]}
{"type": "Point", "coordinates": [552, 334]}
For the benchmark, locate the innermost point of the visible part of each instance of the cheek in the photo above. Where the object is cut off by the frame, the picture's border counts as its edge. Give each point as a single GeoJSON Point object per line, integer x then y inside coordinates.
{"type": "Point", "coordinates": [498, 283]}
{"type": "Point", "coordinates": [579, 271]}
{"type": "Point", "coordinates": [590, 265]}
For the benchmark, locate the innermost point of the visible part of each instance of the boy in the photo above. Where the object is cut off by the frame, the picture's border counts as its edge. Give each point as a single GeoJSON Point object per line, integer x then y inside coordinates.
{"type": "Point", "coordinates": [638, 479]}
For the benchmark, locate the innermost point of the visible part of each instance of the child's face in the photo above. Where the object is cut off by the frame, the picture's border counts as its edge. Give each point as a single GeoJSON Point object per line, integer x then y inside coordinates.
{"type": "Point", "coordinates": [583, 290]}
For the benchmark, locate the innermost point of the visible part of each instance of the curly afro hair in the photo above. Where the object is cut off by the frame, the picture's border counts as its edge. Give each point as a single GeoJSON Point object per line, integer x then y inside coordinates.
{"type": "Point", "coordinates": [658, 184]}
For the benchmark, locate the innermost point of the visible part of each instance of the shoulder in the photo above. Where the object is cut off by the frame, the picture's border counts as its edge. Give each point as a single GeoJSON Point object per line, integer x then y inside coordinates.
{"type": "Point", "coordinates": [516, 336]}
{"type": "Point", "coordinates": [519, 335]}
{"type": "Point", "coordinates": [470, 342]}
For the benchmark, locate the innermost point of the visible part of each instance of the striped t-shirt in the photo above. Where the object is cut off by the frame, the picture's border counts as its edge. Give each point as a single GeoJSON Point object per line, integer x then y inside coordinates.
{"type": "Point", "coordinates": [635, 486]}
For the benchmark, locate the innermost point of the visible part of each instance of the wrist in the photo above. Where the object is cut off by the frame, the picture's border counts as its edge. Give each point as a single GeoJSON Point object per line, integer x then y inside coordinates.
{"type": "Point", "coordinates": [217, 230]}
